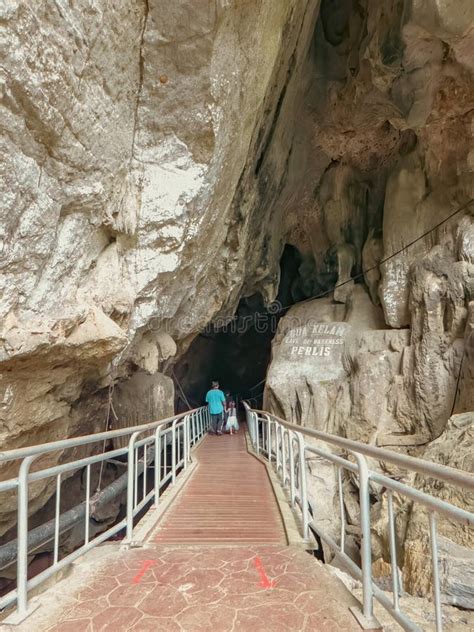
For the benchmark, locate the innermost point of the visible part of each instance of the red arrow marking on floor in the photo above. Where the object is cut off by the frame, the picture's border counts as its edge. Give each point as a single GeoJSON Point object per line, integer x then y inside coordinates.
{"type": "Point", "coordinates": [265, 582]}
{"type": "Point", "coordinates": [145, 566]}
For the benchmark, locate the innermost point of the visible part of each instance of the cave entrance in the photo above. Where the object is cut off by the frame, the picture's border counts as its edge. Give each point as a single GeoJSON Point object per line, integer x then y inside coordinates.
{"type": "Point", "coordinates": [237, 353]}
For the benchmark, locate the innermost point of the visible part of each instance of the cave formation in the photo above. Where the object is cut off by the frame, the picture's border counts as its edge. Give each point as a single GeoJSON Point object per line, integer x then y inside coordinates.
{"type": "Point", "coordinates": [237, 351]}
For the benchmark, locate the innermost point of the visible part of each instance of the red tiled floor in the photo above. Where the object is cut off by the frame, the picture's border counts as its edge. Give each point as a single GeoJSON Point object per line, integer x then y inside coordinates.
{"type": "Point", "coordinates": [190, 589]}
{"type": "Point", "coordinates": [229, 499]}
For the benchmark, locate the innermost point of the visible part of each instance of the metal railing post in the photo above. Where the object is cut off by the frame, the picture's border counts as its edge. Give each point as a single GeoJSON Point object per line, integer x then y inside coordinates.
{"type": "Point", "coordinates": [393, 550]}
{"type": "Point", "coordinates": [253, 424]}
{"type": "Point", "coordinates": [269, 435]}
{"type": "Point", "coordinates": [57, 514]}
{"type": "Point", "coordinates": [250, 419]}
{"type": "Point", "coordinates": [341, 509]}
{"type": "Point", "coordinates": [130, 485]}
{"type": "Point", "coordinates": [434, 561]}
{"type": "Point", "coordinates": [283, 456]}
{"type": "Point", "coordinates": [292, 469]}
{"type": "Point", "coordinates": [257, 434]}
{"type": "Point", "coordinates": [366, 549]}
{"type": "Point", "coordinates": [173, 453]}
{"type": "Point", "coordinates": [88, 508]}
{"type": "Point", "coordinates": [186, 448]}
{"type": "Point", "coordinates": [157, 465]}
{"type": "Point", "coordinates": [303, 489]}
{"type": "Point", "coordinates": [22, 555]}
{"type": "Point", "coordinates": [277, 446]}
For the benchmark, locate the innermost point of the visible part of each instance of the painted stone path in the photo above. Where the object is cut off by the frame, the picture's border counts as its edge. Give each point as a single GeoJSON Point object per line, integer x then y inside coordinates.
{"type": "Point", "coordinates": [219, 589]}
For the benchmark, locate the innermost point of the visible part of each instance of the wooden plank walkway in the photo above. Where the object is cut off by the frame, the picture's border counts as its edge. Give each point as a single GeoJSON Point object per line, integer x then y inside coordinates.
{"type": "Point", "coordinates": [228, 499]}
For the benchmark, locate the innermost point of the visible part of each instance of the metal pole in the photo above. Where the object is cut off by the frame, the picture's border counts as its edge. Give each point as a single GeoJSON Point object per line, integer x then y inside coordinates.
{"type": "Point", "coordinates": [88, 495]}
{"type": "Point", "coordinates": [157, 465]}
{"type": "Point", "coordinates": [56, 519]}
{"type": "Point", "coordinates": [253, 423]}
{"type": "Point", "coordinates": [185, 442]}
{"type": "Point", "coordinates": [130, 485]}
{"type": "Point", "coordinates": [366, 551]}
{"type": "Point", "coordinates": [135, 465]}
{"type": "Point", "coordinates": [292, 470]}
{"type": "Point", "coordinates": [303, 491]}
{"type": "Point", "coordinates": [22, 560]}
{"type": "Point", "coordinates": [144, 469]}
{"type": "Point", "coordinates": [249, 416]}
{"type": "Point", "coordinates": [393, 550]}
{"type": "Point", "coordinates": [173, 453]}
{"type": "Point", "coordinates": [283, 455]}
{"type": "Point", "coordinates": [165, 453]}
{"type": "Point", "coordinates": [434, 560]}
{"type": "Point", "coordinates": [341, 509]}
{"type": "Point", "coordinates": [267, 436]}
{"type": "Point", "coordinates": [277, 446]}
{"type": "Point", "coordinates": [264, 434]}
{"type": "Point", "coordinates": [257, 433]}
{"type": "Point", "coordinates": [269, 426]}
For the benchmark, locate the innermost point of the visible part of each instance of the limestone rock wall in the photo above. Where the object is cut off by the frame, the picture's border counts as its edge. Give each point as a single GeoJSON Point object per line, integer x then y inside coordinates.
{"type": "Point", "coordinates": [456, 448]}
{"type": "Point", "coordinates": [130, 215]}
{"type": "Point", "coordinates": [387, 203]}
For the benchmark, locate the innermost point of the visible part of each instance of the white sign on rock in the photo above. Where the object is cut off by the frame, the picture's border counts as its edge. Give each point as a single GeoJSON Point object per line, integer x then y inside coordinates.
{"type": "Point", "coordinates": [317, 347]}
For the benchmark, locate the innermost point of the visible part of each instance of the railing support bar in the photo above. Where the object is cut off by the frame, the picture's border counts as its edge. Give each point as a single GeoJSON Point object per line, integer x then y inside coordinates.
{"type": "Point", "coordinates": [303, 489]}
{"type": "Point", "coordinates": [130, 486]}
{"type": "Point", "coordinates": [173, 453]}
{"type": "Point", "coordinates": [434, 561]}
{"type": "Point", "coordinates": [56, 519]}
{"type": "Point", "coordinates": [366, 618]}
{"type": "Point", "coordinates": [393, 550]}
{"type": "Point", "coordinates": [22, 559]}
{"type": "Point", "coordinates": [292, 468]}
{"type": "Point", "coordinates": [157, 465]}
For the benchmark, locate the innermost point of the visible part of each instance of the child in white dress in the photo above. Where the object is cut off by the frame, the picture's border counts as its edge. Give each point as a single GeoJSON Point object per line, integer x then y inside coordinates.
{"type": "Point", "coordinates": [232, 424]}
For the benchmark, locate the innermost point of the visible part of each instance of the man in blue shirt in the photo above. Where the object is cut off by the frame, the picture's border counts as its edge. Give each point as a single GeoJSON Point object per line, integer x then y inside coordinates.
{"type": "Point", "coordinates": [216, 400]}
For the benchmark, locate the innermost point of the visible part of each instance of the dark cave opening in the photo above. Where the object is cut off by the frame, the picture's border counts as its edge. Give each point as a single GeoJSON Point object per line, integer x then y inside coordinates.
{"type": "Point", "coordinates": [237, 352]}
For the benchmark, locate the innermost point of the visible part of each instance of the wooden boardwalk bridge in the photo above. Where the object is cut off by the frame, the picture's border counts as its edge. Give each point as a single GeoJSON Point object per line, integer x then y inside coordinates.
{"type": "Point", "coordinates": [217, 560]}
{"type": "Point", "coordinates": [217, 533]}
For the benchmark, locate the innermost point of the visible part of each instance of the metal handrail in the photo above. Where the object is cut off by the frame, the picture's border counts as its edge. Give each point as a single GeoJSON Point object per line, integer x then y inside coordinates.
{"type": "Point", "coordinates": [283, 445]}
{"type": "Point", "coordinates": [182, 432]}
{"type": "Point", "coordinates": [61, 444]}
{"type": "Point", "coordinates": [441, 472]}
